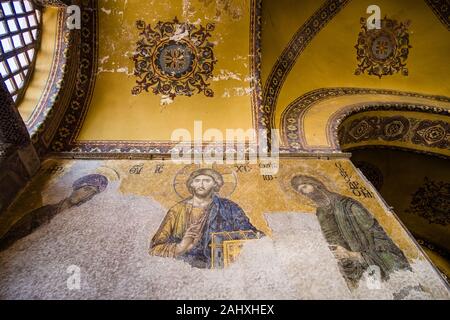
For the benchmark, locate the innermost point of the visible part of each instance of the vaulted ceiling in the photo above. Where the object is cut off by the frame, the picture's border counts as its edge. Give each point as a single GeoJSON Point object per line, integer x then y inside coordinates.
{"type": "Point", "coordinates": [310, 45]}
{"type": "Point", "coordinates": [315, 63]}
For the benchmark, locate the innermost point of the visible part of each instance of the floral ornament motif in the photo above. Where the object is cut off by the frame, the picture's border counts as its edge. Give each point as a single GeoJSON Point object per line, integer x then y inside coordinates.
{"type": "Point", "coordinates": [360, 129]}
{"type": "Point", "coordinates": [395, 128]}
{"type": "Point", "coordinates": [434, 134]}
{"type": "Point", "coordinates": [173, 59]}
{"type": "Point", "coordinates": [432, 202]}
{"type": "Point", "coordinates": [383, 51]}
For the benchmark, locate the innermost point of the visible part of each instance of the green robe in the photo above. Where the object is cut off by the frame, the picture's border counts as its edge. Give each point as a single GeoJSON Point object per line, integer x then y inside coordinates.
{"type": "Point", "coordinates": [345, 222]}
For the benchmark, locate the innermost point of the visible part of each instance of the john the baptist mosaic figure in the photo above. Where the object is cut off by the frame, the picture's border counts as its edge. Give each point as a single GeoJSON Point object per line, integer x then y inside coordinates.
{"type": "Point", "coordinates": [355, 237]}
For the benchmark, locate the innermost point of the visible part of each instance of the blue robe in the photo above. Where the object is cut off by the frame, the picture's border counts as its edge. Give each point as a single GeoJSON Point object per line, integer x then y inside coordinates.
{"type": "Point", "coordinates": [224, 215]}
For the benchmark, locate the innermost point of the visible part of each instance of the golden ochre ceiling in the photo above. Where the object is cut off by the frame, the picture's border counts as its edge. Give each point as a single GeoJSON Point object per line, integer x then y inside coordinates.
{"type": "Point", "coordinates": [247, 64]}
{"type": "Point", "coordinates": [147, 68]}
{"type": "Point", "coordinates": [211, 80]}
{"type": "Point", "coordinates": [320, 56]}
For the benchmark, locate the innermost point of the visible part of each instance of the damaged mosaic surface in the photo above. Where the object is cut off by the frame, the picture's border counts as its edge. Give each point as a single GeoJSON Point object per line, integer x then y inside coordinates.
{"type": "Point", "coordinates": [109, 217]}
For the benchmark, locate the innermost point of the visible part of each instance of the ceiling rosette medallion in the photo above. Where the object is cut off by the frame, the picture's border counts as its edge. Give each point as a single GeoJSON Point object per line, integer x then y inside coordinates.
{"type": "Point", "coordinates": [432, 202]}
{"type": "Point", "coordinates": [384, 51]}
{"type": "Point", "coordinates": [174, 59]}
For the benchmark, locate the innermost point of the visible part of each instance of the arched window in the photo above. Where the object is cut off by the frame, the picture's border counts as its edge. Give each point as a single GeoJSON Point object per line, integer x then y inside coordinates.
{"type": "Point", "coordinates": [19, 37]}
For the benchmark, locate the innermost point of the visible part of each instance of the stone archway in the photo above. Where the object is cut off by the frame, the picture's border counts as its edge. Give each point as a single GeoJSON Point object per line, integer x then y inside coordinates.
{"type": "Point", "coordinates": [311, 122]}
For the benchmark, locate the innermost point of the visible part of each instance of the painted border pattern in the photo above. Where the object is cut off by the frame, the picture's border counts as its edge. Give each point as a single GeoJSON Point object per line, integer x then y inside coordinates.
{"type": "Point", "coordinates": [393, 129]}
{"type": "Point", "coordinates": [288, 57]}
{"type": "Point", "coordinates": [43, 122]}
{"type": "Point", "coordinates": [441, 9]}
{"type": "Point", "coordinates": [293, 134]}
{"type": "Point", "coordinates": [56, 72]}
{"type": "Point", "coordinates": [84, 79]}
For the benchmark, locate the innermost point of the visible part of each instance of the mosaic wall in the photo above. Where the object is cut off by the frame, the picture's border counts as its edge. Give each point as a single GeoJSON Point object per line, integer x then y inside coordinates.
{"type": "Point", "coordinates": [155, 229]}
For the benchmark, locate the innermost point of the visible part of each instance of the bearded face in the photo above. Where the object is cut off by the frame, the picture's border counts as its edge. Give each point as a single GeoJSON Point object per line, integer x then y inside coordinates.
{"type": "Point", "coordinates": [315, 194]}
{"type": "Point", "coordinates": [203, 186]}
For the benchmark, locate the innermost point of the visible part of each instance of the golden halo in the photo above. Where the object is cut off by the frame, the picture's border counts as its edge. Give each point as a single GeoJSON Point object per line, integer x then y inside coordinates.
{"type": "Point", "coordinates": [228, 175]}
{"type": "Point", "coordinates": [286, 177]}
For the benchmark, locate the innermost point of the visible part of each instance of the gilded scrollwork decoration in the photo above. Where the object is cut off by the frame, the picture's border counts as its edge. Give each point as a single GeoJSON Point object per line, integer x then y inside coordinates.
{"type": "Point", "coordinates": [174, 59]}
{"type": "Point", "coordinates": [382, 52]}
